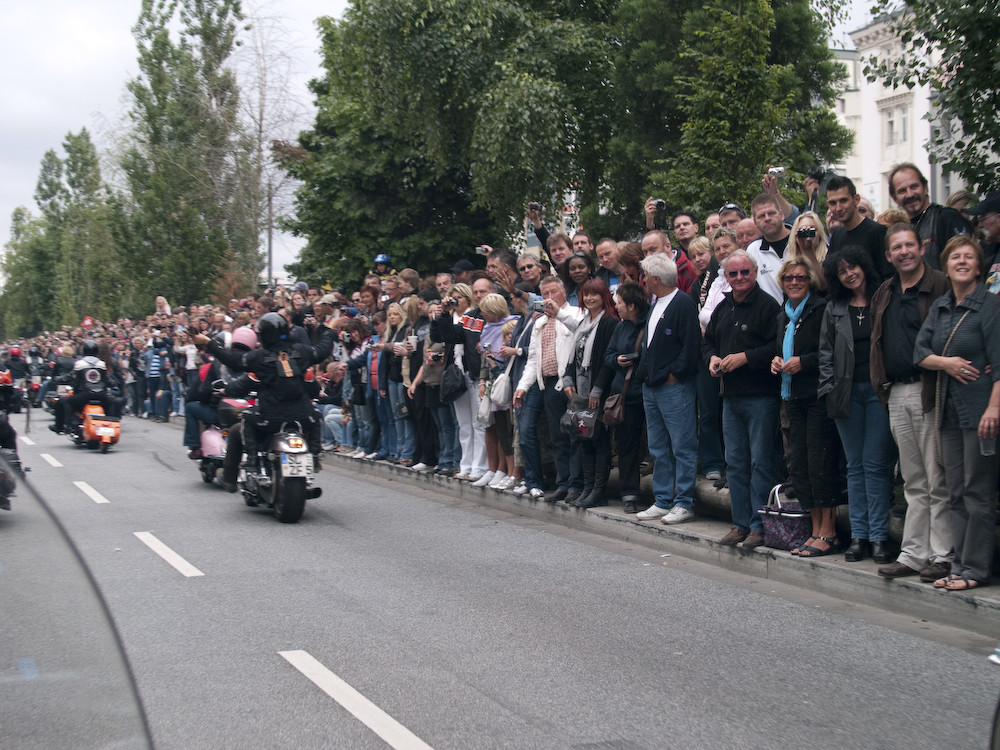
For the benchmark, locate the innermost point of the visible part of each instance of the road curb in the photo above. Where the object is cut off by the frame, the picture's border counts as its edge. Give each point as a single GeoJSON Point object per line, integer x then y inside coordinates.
{"type": "Point", "coordinates": [977, 611]}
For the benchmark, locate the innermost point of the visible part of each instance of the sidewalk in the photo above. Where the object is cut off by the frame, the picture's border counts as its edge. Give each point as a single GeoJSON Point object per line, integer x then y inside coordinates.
{"type": "Point", "coordinates": [977, 611]}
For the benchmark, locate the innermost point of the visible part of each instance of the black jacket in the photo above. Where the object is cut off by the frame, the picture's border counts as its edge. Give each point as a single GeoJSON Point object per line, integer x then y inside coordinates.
{"type": "Point", "coordinates": [676, 344]}
{"type": "Point", "coordinates": [748, 326]}
{"type": "Point", "coordinates": [805, 346]}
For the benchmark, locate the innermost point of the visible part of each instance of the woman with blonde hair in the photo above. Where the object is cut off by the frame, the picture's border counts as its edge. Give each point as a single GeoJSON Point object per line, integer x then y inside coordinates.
{"type": "Point", "coordinates": [808, 241]}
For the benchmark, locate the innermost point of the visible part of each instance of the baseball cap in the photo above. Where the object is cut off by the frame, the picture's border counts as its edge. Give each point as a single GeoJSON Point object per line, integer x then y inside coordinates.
{"type": "Point", "coordinates": [462, 266]}
{"type": "Point", "coordinates": [988, 205]}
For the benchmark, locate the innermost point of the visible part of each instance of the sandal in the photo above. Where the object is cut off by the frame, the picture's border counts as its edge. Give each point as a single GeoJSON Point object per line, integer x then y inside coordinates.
{"type": "Point", "coordinates": [832, 548]}
{"type": "Point", "coordinates": [962, 583]}
{"type": "Point", "coordinates": [941, 583]}
{"type": "Point", "coordinates": [808, 542]}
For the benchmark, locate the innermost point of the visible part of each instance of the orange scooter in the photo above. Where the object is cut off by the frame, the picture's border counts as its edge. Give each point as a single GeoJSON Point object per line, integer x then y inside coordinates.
{"type": "Point", "coordinates": [94, 428]}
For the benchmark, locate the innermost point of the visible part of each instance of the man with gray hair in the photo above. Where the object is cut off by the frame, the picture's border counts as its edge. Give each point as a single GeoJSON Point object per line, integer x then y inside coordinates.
{"type": "Point", "coordinates": [738, 347]}
{"type": "Point", "coordinates": [669, 350]}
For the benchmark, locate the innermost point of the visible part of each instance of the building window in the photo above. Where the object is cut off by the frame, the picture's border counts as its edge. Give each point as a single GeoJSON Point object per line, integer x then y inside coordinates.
{"type": "Point", "coordinates": [904, 125]}
{"type": "Point", "coordinates": [890, 127]}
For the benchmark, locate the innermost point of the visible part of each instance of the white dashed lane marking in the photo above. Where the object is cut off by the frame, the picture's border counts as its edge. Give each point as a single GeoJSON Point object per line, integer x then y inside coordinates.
{"type": "Point", "coordinates": [181, 565]}
{"type": "Point", "coordinates": [90, 492]}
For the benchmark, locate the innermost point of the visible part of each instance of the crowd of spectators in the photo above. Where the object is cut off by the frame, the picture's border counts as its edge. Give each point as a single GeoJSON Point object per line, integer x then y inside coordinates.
{"type": "Point", "coordinates": [781, 346]}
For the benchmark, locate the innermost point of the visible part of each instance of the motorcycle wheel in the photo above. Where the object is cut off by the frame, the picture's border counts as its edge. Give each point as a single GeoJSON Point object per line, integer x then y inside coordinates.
{"type": "Point", "coordinates": [289, 498]}
{"type": "Point", "coordinates": [208, 475]}
{"type": "Point", "coordinates": [104, 447]}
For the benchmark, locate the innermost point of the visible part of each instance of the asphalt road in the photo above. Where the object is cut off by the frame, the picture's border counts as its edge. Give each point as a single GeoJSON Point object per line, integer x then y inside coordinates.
{"type": "Point", "coordinates": [389, 617]}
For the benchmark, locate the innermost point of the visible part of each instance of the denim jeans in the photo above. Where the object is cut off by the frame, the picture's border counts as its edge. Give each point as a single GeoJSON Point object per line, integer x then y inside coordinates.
{"type": "Point", "coordinates": [673, 444]}
{"type": "Point", "coordinates": [176, 396]}
{"type": "Point", "coordinates": [194, 412]}
{"type": "Point", "coordinates": [750, 424]}
{"type": "Point", "coordinates": [387, 426]}
{"type": "Point", "coordinates": [448, 454]}
{"type": "Point", "coordinates": [869, 449]}
{"type": "Point", "coordinates": [406, 436]}
{"type": "Point", "coordinates": [527, 427]}
{"type": "Point", "coordinates": [333, 427]}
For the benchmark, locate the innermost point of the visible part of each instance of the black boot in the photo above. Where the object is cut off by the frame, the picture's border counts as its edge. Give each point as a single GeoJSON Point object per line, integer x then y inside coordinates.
{"type": "Point", "coordinates": [880, 553]}
{"type": "Point", "coordinates": [631, 503]}
{"type": "Point", "coordinates": [588, 483]}
{"type": "Point", "coordinates": [602, 468]}
{"type": "Point", "coordinates": [858, 550]}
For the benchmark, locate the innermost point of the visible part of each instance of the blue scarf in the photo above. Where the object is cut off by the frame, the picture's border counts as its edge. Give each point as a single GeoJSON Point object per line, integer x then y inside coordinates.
{"type": "Point", "coordinates": [788, 344]}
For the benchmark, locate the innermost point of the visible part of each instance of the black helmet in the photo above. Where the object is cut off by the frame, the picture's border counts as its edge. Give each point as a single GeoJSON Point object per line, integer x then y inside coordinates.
{"type": "Point", "coordinates": [89, 348]}
{"type": "Point", "coordinates": [271, 328]}
{"type": "Point", "coordinates": [34, 350]}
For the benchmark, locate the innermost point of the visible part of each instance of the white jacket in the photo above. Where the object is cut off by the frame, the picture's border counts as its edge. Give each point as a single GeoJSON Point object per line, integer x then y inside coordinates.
{"type": "Point", "coordinates": [566, 323]}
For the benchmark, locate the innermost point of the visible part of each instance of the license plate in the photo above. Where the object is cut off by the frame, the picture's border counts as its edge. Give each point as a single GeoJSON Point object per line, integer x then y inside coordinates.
{"type": "Point", "coordinates": [296, 464]}
{"type": "Point", "coordinates": [106, 431]}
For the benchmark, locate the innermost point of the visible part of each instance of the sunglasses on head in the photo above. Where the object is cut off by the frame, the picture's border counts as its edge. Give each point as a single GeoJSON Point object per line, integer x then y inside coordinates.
{"type": "Point", "coordinates": [744, 272]}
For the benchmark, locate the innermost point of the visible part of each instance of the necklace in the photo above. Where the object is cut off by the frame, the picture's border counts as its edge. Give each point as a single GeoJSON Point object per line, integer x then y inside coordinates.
{"type": "Point", "coordinates": [861, 313]}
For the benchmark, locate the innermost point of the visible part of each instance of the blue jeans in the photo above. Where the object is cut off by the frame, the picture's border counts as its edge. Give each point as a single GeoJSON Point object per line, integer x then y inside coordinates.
{"type": "Point", "coordinates": [673, 443]}
{"type": "Point", "coordinates": [333, 427]}
{"type": "Point", "coordinates": [406, 435]}
{"type": "Point", "coordinates": [527, 426]}
{"type": "Point", "coordinates": [176, 396]}
{"type": "Point", "coordinates": [870, 455]}
{"type": "Point", "coordinates": [194, 412]}
{"type": "Point", "coordinates": [444, 418]}
{"type": "Point", "coordinates": [750, 425]}
{"type": "Point", "coordinates": [387, 425]}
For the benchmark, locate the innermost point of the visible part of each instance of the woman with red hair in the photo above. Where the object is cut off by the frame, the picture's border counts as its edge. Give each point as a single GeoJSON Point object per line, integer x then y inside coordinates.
{"type": "Point", "coordinates": [586, 383]}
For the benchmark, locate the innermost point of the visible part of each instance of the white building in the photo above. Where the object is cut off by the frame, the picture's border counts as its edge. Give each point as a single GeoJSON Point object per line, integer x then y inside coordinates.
{"type": "Point", "coordinates": [890, 124]}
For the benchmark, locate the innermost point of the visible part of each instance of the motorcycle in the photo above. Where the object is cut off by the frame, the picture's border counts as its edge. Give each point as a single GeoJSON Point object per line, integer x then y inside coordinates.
{"type": "Point", "coordinates": [285, 478]}
{"type": "Point", "coordinates": [10, 468]}
{"type": "Point", "coordinates": [53, 396]}
{"type": "Point", "coordinates": [95, 429]}
{"type": "Point", "coordinates": [214, 438]}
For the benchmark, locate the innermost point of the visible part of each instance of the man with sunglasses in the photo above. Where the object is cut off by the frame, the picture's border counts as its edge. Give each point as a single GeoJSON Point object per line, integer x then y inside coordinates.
{"type": "Point", "coordinates": [530, 271]}
{"type": "Point", "coordinates": [738, 347]}
{"type": "Point", "coordinates": [843, 204]}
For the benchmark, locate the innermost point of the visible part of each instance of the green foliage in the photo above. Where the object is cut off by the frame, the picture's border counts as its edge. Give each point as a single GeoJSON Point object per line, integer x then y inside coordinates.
{"type": "Point", "coordinates": [951, 46]}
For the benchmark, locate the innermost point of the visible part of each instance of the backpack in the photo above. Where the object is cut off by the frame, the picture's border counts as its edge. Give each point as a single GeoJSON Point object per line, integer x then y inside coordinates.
{"type": "Point", "coordinates": [284, 373]}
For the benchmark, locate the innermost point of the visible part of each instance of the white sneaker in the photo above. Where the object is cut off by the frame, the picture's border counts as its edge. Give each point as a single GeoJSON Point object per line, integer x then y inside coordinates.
{"type": "Point", "coordinates": [521, 489]}
{"type": "Point", "coordinates": [370, 456]}
{"type": "Point", "coordinates": [427, 469]}
{"type": "Point", "coordinates": [498, 479]}
{"type": "Point", "coordinates": [713, 475]}
{"type": "Point", "coordinates": [506, 484]}
{"type": "Point", "coordinates": [463, 476]}
{"type": "Point", "coordinates": [358, 454]}
{"type": "Point", "coordinates": [419, 467]}
{"type": "Point", "coordinates": [485, 479]}
{"type": "Point", "coordinates": [652, 513]}
{"type": "Point", "coordinates": [536, 494]}
{"type": "Point", "coordinates": [474, 477]}
{"type": "Point", "coordinates": [677, 515]}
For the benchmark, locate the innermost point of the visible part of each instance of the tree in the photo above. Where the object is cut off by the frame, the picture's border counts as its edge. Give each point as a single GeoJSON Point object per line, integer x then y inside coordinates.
{"type": "Point", "coordinates": [192, 174]}
{"type": "Point", "coordinates": [950, 46]}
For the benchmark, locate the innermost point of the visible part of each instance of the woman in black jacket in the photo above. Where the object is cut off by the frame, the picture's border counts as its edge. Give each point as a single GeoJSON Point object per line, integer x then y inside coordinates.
{"type": "Point", "coordinates": [587, 379]}
{"type": "Point", "coordinates": [813, 446]}
{"type": "Point", "coordinates": [862, 420]}
{"type": "Point", "coordinates": [621, 357]}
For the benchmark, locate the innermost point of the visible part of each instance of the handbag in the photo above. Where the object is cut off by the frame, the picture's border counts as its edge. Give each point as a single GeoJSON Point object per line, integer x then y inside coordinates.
{"type": "Point", "coordinates": [614, 405]}
{"type": "Point", "coordinates": [786, 524]}
{"type": "Point", "coordinates": [484, 415]}
{"type": "Point", "coordinates": [579, 420]}
{"type": "Point", "coordinates": [453, 383]}
{"type": "Point", "coordinates": [401, 410]}
{"type": "Point", "coordinates": [501, 393]}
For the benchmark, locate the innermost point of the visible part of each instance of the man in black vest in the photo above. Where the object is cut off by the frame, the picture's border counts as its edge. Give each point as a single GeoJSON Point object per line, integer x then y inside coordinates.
{"type": "Point", "coordinates": [935, 224]}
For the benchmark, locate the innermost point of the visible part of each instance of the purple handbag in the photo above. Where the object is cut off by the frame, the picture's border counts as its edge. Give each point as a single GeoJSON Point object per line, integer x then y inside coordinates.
{"type": "Point", "coordinates": [786, 524]}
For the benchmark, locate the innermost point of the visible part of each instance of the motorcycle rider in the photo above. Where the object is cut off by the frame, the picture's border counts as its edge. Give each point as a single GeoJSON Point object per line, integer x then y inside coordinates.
{"type": "Point", "coordinates": [8, 436]}
{"type": "Point", "coordinates": [17, 366]}
{"type": "Point", "coordinates": [36, 367]}
{"type": "Point", "coordinates": [202, 401]}
{"type": "Point", "coordinates": [62, 371]}
{"type": "Point", "coordinates": [278, 371]}
{"type": "Point", "coordinates": [91, 384]}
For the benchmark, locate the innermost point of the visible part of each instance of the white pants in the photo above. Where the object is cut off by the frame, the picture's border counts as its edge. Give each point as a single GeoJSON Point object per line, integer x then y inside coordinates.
{"type": "Point", "coordinates": [471, 433]}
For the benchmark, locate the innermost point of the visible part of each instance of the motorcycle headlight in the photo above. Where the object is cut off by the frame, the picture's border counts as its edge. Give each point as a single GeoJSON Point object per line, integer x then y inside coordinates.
{"type": "Point", "coordinates": [296, 442]}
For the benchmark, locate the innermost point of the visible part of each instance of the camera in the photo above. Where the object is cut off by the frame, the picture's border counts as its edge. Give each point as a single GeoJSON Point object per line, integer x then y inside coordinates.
{"type": "Point", "coordinates": [451, 302]}
{"type": "Point", "coordinates": [436, 356]}
{"type": "Point", "coordinates": [776, 171]}
{"type": "Point", "coordinates": [632, 357]}
{"type": "Point", "coordinates": [535, 206]}
{"type": "Point", "coordinates": [809, 232]}
{"type": "Point", "coordinates": [538, 306]}
{"type": "Point", "coordinates": [482, 250]}
{"type": "Point", "coordinates": [384, 298]}
{"type": "Point", "coordinates": [345, 337]}
{"type": "Point", "coordinates": [661, 205]}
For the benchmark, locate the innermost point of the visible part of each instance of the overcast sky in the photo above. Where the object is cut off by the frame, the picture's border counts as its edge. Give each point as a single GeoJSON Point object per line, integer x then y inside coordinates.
{"type": "Point", "coordinates": [64, 65]}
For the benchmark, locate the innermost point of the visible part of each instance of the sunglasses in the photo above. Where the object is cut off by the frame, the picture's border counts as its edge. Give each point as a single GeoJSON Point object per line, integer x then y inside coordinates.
{"type": "Point", "coordinates": [744, 272]}
{"type": "Point", "coordinates": [729, 207]}
{"type": "Point", "coordinates": [800, 278]}
{"type": "Point", "coordinates": [526, 267]}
